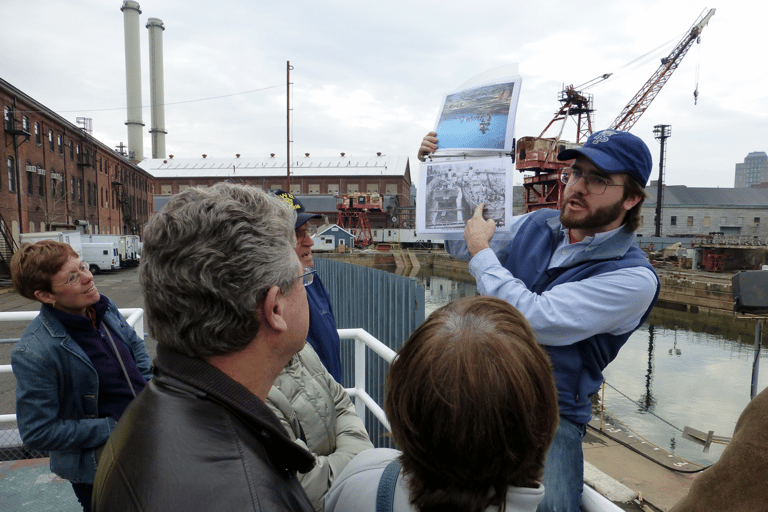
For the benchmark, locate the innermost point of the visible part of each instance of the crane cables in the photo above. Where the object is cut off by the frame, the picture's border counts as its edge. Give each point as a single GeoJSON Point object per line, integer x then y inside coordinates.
{"type": "Point", "coordinates": [698, 62]}
{"type": "Point", "coordinates": [642, 60]}
{"type": "Point", "coordinates": [656, 53]}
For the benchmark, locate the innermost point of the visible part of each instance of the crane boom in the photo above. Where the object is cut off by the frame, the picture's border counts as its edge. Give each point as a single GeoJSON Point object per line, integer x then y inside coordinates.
{"type": "Point", "coordinates": [538, 154]}
{"type": "Point", "coordinates": [637, 106]}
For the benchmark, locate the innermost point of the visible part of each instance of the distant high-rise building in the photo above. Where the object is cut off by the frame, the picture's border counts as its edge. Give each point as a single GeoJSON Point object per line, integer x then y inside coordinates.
{"type": "Point", "coordinates": [753, 171]}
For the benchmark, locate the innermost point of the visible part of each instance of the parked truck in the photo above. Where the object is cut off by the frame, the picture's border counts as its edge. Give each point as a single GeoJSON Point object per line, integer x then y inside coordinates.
{"type": "Point", "coordinates": [101, 256]}
{"type": "Point", "coordinates": [136, 248]}
{"type": "Point", "coordinates": [132, 248]}
{"type": "Point", "coordinates": [68, 237]}
{"type": "Point", "coordinates": [118, 240]}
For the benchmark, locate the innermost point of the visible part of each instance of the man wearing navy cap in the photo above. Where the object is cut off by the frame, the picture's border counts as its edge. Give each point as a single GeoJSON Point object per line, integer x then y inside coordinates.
{"type": "Point", "coordinates": [323, 334]}
{"type": "Point", "coordinates": [579, 279]}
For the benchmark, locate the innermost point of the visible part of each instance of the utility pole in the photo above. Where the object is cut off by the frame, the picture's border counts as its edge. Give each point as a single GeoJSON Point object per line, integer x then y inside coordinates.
{"type": "Point", "coordinates": [288, 125]}
{"type": "Point", "coordinates": [662, 132]}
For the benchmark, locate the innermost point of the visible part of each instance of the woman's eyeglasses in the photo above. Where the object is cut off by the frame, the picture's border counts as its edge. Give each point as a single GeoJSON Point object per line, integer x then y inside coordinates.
{"type": "Point", "coordinates": [74, 277]}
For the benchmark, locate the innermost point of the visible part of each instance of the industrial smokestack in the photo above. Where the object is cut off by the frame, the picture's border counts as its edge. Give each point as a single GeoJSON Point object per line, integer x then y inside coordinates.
{"type": "Point", "coordinates": [135, 124]}
{"type": "Point", "coordinates": [156, 90]}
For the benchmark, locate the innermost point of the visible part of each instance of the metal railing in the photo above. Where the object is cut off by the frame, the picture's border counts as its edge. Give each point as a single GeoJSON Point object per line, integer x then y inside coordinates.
{"type": "Point", "coordinates": [360, 338]}
{"type": "Point", "coordinates": [363, 344]}
{"type": "Point", "coordinates": [592, 501]}
{"type": "Point", "coordinates": [388, 308]}
{"type": "Point", "coordinates": [363, 400]}
{"type": "Point", "coordinates": [134, 317]}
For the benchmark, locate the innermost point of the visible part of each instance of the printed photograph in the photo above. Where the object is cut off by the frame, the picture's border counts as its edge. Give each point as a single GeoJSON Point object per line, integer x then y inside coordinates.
{"type": "Point", "coordinates": [455, 188]}
{"type": "Point", "coordinates": [479, 118]}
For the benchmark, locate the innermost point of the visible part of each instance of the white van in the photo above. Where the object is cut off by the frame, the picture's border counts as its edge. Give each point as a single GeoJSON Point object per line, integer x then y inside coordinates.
{"type": "Point", "coordinates": [114, 239]}
{"type": "Point", "coordinates": [68, 237]}
{"type": "Point", "coordinates": [101, 256]}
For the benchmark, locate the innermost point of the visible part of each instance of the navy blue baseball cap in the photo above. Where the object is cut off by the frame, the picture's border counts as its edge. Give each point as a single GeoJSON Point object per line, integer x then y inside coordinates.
{"type": "Point", "coordinates": [613, 151]}
{"type": "Point", "coordinates": [301, 215]}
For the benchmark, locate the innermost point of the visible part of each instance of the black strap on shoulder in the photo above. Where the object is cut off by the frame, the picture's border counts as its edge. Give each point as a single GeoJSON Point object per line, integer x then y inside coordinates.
{"type": "Point", "coordinates": [385, 495]}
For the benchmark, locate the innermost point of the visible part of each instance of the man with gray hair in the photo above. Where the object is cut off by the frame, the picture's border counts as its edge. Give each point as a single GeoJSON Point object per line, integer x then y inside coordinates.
{"type": "Point", "coordinates": [224, 297]}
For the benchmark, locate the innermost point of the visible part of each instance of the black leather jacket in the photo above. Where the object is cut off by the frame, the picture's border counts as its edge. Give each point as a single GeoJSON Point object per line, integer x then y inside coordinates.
{"type": "Point", "coordinates": [197, 440]}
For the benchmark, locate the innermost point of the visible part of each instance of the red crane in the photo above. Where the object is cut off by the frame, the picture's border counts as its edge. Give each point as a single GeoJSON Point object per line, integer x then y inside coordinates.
{"type": "Point", "coordinates": [637, 105]}
{"type": "Point", "coordinates": [353, 215]}
{"type": "Point", "coordinates": [539, 154]}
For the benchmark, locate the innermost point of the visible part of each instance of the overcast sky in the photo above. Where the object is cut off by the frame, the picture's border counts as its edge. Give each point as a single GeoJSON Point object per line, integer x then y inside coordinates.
{"type": "Point", "coordinates": [371, 76]}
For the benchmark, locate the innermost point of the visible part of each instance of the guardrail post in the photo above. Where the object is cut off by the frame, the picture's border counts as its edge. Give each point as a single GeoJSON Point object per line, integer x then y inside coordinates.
{"type": "Point", "coordinates": [360, 375]}
{"type": "Point", "coordinates": [133, 316]}
{"type": "Point", "coordinates": [136, 319]}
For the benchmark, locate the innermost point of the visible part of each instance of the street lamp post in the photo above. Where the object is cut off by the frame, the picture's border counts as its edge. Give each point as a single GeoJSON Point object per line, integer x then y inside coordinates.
{"type": "Point", "coordinates": [662, 132]}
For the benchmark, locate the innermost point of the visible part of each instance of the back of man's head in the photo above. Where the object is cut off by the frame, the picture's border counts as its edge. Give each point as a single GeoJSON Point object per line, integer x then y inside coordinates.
{"type": "Point", "coordinates": [472, 405]}
{"type": "Point", "coordinates": [208, 260]}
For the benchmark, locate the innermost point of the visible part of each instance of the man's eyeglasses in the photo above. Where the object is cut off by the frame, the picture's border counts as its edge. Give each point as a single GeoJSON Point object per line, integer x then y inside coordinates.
{"type": "Point", "coordinates": [595, 184]}
{"type": "Point", "coordinates": [74, 278]}
{"type": "Point", "coordinates": [309, 230]}
{"type": "Point", "coordinates": [308, 276]}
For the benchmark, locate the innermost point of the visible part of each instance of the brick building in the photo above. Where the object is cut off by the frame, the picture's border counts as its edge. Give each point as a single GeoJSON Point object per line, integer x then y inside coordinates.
{"type": "Point", "coordinates": [56, 176]}
{"type": "Point", "coordinates": [317, 181]}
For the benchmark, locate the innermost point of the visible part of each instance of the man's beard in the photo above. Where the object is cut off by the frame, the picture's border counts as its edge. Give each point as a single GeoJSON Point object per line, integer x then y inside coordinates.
{"type": "Point", "coordinates": [603, 216]}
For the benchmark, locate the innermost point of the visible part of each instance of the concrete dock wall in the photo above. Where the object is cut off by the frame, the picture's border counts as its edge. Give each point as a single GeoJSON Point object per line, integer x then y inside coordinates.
{"type": "Point", "coordinates": [681, 290]}
{"type": "Point", "coordinates": [696, 293]}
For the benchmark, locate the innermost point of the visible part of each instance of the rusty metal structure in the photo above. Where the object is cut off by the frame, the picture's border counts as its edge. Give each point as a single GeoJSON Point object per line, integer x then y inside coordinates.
{"type": "Point", "coordinates": [539, 154]}
{"type": "Point", "coordinates": [353, 215]}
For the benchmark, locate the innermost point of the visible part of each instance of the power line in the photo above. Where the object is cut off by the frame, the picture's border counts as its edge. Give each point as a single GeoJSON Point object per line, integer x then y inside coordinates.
{"type": "Point", "coordinates": [164, 104]}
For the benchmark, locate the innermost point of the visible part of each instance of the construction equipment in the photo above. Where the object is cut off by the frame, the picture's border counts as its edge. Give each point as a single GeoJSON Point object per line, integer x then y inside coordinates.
{"type": "Point", "coordinates": [637, 105]}
{"type": "Point", "coordinates": [539, 154]}
{"type": "Point", "coordinates": [353, 215]}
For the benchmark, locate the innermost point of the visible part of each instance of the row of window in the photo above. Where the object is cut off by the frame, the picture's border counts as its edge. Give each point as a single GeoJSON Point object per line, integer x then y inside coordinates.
{"type": "Point", "coordinates": [57, 141]}
{"type": "Point", "coordinates": [39, 183]}
{"type": "Point", "coordinates": [95, 195]}
{"type": "Point", "coordinates": [123, 176]}
{"type": "Point", "coordinates": [54, 142]}
{"type": "Point", "coordinates": [95, 229]}
{"type": "Point", "coordinates": [312, 188]}
{"type": "Point", "coordinates": [352, 188]}
{"type": "Point", "coordinates": [706, 221]}
{"type": "Point", "coordinates": [135, 180]}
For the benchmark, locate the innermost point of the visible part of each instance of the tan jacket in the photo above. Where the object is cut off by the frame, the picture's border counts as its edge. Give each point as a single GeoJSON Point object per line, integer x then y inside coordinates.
{"type": "Point", "coordinates": [319, 416]}
{"type": "Point", "coordinates": [737, 482]}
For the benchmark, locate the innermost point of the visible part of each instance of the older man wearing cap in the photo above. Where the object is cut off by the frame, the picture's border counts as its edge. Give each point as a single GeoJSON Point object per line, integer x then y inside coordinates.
{"type": "Point", "coordinates": [579, 279]}
{"type": "Point", "coordinates": [323, 334]}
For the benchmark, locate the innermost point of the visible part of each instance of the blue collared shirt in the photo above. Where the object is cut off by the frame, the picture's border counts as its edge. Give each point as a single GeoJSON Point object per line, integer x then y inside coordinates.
{"type": "Point", "coordinates": [569, 312]}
